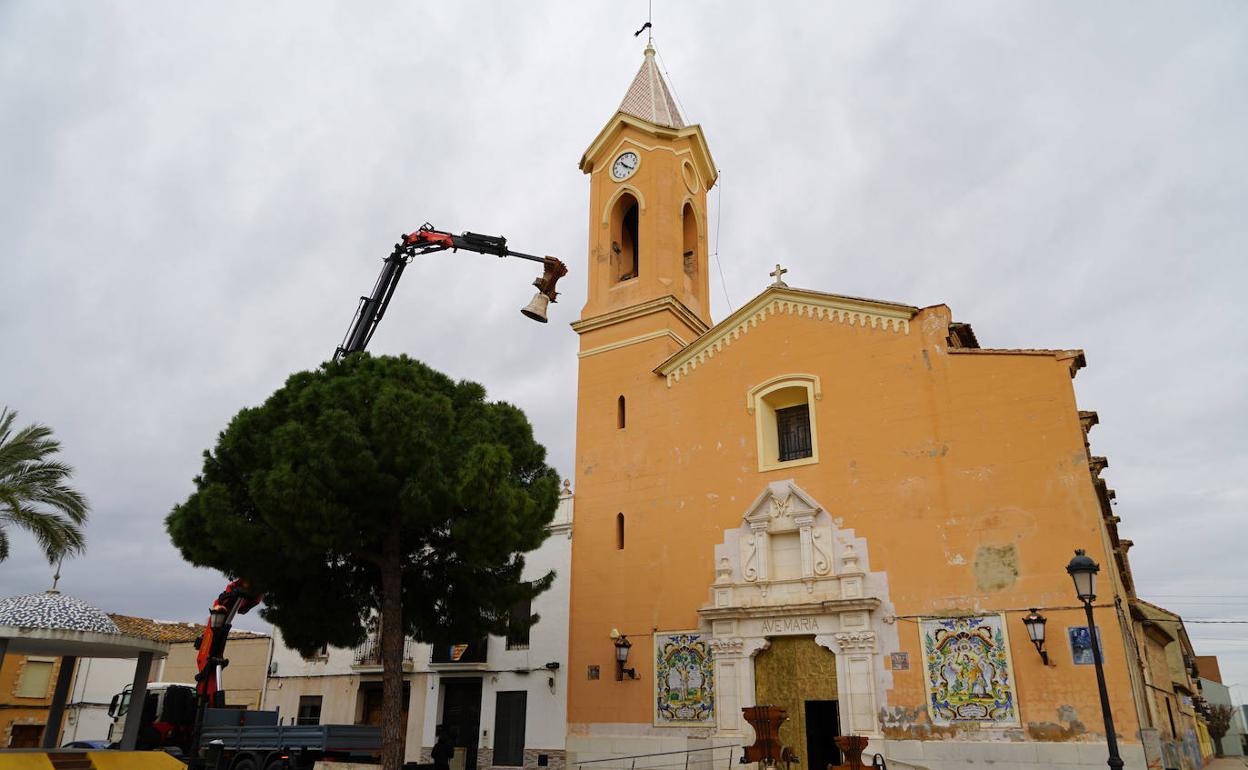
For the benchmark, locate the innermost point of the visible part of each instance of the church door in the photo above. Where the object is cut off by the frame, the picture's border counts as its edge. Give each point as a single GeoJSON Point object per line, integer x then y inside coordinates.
{"type": "Point", "coordinates": [799, 676]}
{"type": "Point", "coordinates": [823, 724]}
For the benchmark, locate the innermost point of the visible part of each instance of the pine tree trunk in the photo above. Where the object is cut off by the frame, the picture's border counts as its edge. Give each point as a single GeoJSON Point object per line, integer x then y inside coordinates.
{"type": "Point", "coordinates": [392, 652]}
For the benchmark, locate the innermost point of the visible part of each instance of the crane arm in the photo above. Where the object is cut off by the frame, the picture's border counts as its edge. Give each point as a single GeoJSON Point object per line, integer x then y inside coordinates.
{"type": "Point", "coordinates": [427, 240]}
{"type": "Point", "coordinates": [236, 598]}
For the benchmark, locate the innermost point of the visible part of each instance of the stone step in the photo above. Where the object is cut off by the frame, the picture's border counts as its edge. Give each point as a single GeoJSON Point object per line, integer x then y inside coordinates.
{"type": "Point", "coordinates": [70, 760]}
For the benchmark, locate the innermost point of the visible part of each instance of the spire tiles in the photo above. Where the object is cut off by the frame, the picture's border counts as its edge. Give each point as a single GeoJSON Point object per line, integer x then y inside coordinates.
{"type": "Point", "coordinates": [649, 98]}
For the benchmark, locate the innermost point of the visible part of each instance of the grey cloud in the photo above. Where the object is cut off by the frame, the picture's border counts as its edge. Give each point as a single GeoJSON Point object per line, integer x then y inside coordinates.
{"type": "Point", "coordinates": [192, 199]}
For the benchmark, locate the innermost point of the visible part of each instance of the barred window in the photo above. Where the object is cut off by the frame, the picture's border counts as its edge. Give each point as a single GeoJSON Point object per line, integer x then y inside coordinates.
{"type": "Point", "coordinates": [517, 627]}
{"type": "Point", "coordinates": [793, 432]}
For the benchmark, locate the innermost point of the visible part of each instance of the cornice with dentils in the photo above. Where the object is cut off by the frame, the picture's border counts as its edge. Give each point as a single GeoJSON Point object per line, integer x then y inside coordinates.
{"type": "Point", "coordinates": [885, 317]}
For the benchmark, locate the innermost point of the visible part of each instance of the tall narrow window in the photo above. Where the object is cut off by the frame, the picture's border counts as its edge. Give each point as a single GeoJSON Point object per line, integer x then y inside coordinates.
{"type": "Point", "coordinates": [619, 412]}
{"type": "Point", "coordinates": [690, 250]}
{"type": "Point", "coordinates": [619, 531]}
{"type": "Point", "coordinates": [625, 240]}
{"type": "Point", "coordinates": [793, 432]}
{"type": "Point", "coordinates": [518, 625]}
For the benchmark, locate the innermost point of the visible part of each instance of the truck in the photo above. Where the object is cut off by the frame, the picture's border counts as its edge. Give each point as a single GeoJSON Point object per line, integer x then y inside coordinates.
{"type": "Point", "coordinates": [238, 739]}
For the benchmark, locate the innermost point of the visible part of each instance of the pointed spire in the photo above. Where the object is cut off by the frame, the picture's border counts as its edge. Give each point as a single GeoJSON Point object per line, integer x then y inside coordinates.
{"type": "Point", "coordinates": [649, 98]}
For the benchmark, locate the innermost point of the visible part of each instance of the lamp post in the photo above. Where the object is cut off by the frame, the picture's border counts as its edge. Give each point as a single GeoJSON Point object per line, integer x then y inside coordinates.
{"type": "Point", "coordinates": [1082, 571]}
{"type": "Point", "coordinates": [1034, 622]}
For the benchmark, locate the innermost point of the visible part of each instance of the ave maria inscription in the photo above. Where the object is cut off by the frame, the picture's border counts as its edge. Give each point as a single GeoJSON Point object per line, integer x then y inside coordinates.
{"type": "Point", "coordinates": [799, 625]}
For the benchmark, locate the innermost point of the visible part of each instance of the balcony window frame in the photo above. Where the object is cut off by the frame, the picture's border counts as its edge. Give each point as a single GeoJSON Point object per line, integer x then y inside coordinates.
{"type": "Point", "coordinates": [517, 638]}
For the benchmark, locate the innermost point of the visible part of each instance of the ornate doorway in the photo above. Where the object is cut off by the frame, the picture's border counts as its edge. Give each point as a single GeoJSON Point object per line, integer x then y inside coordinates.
{"type": "Point", "coordinates": [799, 676]}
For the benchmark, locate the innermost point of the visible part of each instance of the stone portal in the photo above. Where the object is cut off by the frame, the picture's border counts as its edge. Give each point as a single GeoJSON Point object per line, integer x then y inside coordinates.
{"type": "Point", "coordinates": [791, 570]}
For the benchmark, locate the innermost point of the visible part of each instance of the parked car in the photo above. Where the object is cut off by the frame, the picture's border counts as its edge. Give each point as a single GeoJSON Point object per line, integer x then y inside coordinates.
{"type": "Point", "coordinates": [95, 745]}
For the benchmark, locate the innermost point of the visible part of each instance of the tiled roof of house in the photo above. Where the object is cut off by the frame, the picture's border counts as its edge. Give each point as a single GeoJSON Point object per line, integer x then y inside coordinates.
{"type": "Point", "coordinates": [171, 632]}
{"type": "Point", "coordinates": [649, 98]}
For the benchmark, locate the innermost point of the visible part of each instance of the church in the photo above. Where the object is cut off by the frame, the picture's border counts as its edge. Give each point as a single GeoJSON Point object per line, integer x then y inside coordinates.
{"type": "Point", "coordinates": [841, 506]}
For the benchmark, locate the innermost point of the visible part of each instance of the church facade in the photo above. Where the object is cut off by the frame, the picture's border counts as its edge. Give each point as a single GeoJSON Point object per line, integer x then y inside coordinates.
{"type": "Point", "coordinates": [838, 505]}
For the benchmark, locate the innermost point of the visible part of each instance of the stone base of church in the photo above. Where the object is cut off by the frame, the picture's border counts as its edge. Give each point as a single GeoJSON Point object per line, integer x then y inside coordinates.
{"type": "Point", "coordinates": [1001, 755]}
{"type": "Point", "coordinates": [600, 746]}
{"type": "Point", "coordinates": [642, 746]}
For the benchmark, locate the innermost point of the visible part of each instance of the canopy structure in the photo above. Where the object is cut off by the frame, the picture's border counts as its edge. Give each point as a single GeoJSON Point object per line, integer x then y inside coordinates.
{"type": "Point", "coordinates": [54, 624]}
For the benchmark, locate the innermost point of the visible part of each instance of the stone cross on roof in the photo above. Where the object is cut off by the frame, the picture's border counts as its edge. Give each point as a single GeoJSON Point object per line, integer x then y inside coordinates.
{"type": "Point", "coordinates": [778, 274]}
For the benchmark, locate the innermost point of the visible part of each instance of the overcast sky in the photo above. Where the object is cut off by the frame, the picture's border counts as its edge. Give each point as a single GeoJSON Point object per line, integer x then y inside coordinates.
{"type": "Point", "coordinates": [192, 198]}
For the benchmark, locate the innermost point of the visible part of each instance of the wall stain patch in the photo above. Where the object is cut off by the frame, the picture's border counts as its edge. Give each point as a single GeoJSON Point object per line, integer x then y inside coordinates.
{"type": "Point", "coordinates": [1056, 731]}
{"type": "Point", "coordinates": [996, 567]}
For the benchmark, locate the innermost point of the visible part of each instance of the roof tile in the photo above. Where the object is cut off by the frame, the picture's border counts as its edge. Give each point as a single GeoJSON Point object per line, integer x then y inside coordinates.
{"type": "Point", "coordinates": [649, 98]}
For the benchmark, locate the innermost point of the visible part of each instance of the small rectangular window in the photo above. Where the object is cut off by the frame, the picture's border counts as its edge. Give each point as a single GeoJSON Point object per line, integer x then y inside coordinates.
{"type": "Point", "coordinates": [793, 432]}
{"type": "Point", "coordinates": [309, 710]}
{"type": "Point", "coordinates": [26, 736]}
{"type": "Point", "coordinates": [509, 717]}
{"type": "Point", "coordinates": [36, 674]}
{"type": "Point", "coordinates": [518, 628]}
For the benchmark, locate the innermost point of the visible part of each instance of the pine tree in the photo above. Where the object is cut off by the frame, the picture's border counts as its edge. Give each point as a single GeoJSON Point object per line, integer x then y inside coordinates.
{"type": "Point", "coordinates": [374, 485]}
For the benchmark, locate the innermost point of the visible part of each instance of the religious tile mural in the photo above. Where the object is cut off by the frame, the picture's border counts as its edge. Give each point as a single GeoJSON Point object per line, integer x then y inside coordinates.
{"type": "Point", "coordinates": [970, 678]}
{"type": "Point", "coordinates": [684, 679]}
{"type": "Point", "coordinates": [1081, 645]}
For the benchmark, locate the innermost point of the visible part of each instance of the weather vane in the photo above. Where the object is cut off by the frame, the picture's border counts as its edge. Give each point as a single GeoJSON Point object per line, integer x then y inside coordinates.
{"type": "Point", "coordinates": [647, 25]}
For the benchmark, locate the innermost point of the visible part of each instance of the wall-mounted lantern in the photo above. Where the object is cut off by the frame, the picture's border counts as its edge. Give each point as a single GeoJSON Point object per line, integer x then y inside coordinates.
{"type": "Point", "coordinates": [622, 646]}
{"type": "Point", "coordinates": [1034, 622]}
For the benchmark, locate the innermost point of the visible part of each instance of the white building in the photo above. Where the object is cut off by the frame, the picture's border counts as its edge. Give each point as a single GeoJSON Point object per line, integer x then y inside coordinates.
{"type": "Point", "coordinates": [96, 681]}
{"type": "Point", "coordinates": [503, 701]}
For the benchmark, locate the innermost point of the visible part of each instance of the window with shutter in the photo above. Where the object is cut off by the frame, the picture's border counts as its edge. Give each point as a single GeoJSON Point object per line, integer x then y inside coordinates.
{"type": "Point", "coordinates": [36, 674]}
{"type": "Point", "coordinates": [509, 715]}
{"type": "Point", "coordinates": [309, 710]}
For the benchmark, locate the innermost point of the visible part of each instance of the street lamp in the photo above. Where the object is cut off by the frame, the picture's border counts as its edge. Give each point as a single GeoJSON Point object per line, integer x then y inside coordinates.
{"type": "Point", "coordinates": [622, 646]}
{"type": "Point", "coordinates": [1034, 622]}
{"type": "Point", "coordinates": [216, 617]}
{"type": "Point", "coordinates": [1082, 571]}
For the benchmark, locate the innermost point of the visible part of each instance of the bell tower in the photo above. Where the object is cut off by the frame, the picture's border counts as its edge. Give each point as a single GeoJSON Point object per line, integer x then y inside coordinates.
{"type": "Point", "coordinates": [647, 299]}
{"type": "Point", "coordinates": [649, 174]}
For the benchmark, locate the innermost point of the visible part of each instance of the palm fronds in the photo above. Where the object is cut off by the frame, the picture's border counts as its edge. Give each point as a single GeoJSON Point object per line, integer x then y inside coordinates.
{"type": "Point", "coordinates": [34, 494]}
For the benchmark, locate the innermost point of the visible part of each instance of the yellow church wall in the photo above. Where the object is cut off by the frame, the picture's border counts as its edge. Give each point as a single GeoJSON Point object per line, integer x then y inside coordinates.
{"type": "Point", "coordinates": [965, 472]}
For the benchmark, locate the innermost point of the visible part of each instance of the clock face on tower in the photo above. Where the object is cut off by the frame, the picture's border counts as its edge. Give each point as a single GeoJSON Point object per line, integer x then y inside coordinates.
{"type": "Point", "coordinates": [624, 166]}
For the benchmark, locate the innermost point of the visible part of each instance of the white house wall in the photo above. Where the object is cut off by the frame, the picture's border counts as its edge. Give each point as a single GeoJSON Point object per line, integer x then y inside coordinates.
{"type": "Point", "coordinates": [334, 678]}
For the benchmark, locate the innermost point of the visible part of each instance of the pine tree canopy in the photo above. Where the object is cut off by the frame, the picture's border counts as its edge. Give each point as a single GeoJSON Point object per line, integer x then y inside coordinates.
{"type": "Point", "coordinates": [299, 494]}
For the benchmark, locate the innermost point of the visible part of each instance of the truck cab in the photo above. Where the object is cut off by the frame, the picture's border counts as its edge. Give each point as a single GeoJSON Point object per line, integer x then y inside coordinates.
{"type": "Point", "coordinates": [168, 715]}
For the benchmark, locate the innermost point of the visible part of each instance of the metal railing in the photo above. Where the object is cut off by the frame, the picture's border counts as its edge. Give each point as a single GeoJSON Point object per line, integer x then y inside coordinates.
{"type": "Point", "coordinates": [706, 759]}
{"type": "Point", "coordinates": [369, 653]}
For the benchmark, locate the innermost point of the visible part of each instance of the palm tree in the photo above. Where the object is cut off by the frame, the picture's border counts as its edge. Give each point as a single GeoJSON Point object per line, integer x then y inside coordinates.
{"type": "Point", "coordinates": [33, 492]}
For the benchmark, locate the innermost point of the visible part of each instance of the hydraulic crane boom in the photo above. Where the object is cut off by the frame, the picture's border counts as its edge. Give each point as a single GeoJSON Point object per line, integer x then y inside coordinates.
{"type": "Point", "coordinates": [427, 240]}
{"type": "Point", "coordinates": [235, 599]}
